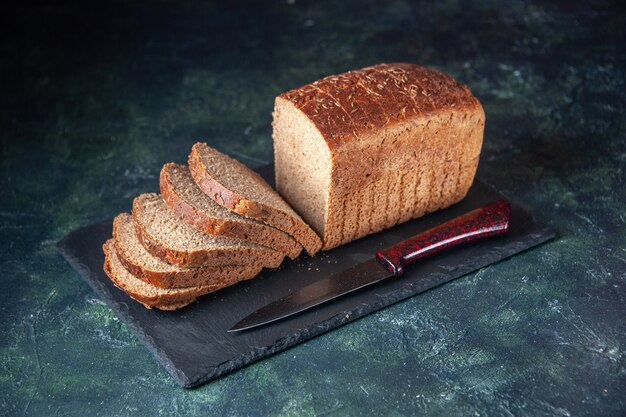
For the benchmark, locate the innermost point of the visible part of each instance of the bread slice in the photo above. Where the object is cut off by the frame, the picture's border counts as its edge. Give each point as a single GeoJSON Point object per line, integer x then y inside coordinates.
{"type": "Point", "coordinates": [159, 273]}
{"type": "Point", "coordinates": [360, 152]}
{"type": "Point", "coordinates": [147, 294]}
{"type": "Point", "coordinates": [165, 236]}
{"type": "Point", "coordinates": [188, 202]}
{"type": "Point", "coordinates": [171, 307]}
{"type": "Point", "coordinates": [235, 186]}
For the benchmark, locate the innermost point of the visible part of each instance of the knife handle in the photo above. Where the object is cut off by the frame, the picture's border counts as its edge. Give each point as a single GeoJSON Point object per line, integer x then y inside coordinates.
{"type": "Point", "coordinates": [492, 219]}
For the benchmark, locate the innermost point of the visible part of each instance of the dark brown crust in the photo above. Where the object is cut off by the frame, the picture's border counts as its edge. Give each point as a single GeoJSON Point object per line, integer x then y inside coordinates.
{"type": "Point", "coordinates": [185, 277]}
{"type": "Point", "coordinates": [257, 233]}
{"type": "Point", "coordinates": [218, 257]}
{"type": "Point", "coordinates": [250, 208]}
{"type": "Point", "coordinates": [367, 99]}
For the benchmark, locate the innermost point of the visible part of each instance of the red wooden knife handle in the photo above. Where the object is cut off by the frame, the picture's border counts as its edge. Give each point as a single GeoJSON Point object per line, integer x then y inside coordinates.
{"type": "Point", "coordinates": [492, 219]}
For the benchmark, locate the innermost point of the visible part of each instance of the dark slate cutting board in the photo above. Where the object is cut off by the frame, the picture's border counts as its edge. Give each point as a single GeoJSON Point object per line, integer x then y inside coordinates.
{"type": "Point", "coordinates": [193, 343]}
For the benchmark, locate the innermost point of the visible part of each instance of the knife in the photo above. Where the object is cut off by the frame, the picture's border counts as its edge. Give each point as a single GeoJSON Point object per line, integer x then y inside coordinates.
{"type": "Point", "coordinates": [490, 220]}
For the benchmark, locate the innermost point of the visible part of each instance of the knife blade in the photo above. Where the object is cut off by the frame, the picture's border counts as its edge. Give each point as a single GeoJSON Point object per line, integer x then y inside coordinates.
{"type": "Point", "coordinates": [490, 220]}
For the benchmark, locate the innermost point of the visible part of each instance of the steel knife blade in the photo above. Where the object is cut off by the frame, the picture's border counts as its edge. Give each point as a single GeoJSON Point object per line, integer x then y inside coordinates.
{"type": "Point", "coordinates": [490, 220]}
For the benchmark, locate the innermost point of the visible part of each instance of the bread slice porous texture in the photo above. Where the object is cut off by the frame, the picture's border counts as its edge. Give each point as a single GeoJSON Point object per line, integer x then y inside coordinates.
{"type": "Point", "coordinates": [360, 152]}
{"type": "Point", "coordinates": [166, 236]}
{"type": "Point", "coordinates": [147, 294]}
{"type": "Point", "coordinates": [159, 273]}
{"type": "Point", "coordinates": [183, 196]}
{"type": "Point", "coordinates": [170, 307]}
{"type": "Point", "coordinates": [236, 187]}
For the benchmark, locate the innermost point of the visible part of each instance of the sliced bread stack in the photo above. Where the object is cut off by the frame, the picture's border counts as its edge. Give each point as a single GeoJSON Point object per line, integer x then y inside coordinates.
{"type": "Point", "coordinates": [214, 224]}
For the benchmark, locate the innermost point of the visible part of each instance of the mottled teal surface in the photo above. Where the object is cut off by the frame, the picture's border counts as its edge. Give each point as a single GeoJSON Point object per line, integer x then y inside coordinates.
{"type": "Point", "coordinates": [95, 98]}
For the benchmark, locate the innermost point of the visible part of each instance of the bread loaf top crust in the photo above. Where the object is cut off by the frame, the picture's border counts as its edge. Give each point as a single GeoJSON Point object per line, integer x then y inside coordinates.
{"type": "Point", "coordinates": [372, 98]}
